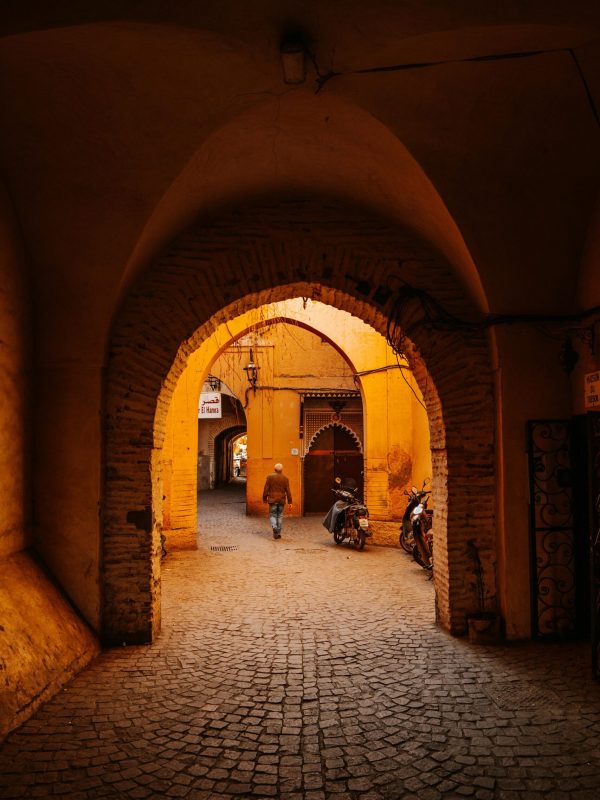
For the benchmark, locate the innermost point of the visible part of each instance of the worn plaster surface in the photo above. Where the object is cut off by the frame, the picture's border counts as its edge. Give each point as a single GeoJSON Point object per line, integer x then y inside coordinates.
{"type": "Point", "coordinates": [43, 642]}
{"type": "Point", "coordinates": [300, 669]}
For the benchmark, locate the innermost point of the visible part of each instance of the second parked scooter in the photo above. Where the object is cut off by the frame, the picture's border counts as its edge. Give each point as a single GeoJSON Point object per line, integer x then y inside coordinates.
{"type": "Point", "coordinates": [348, 518]}
{"type": "Point", "coordinates": [415, 532]}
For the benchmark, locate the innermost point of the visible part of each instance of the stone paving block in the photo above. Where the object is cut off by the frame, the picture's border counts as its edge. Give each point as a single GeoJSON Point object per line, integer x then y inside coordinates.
{"type": "Point", "coordinates": [254, 691]}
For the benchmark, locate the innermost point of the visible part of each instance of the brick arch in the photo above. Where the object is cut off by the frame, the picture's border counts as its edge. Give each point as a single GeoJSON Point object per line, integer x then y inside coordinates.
{"type": "Point", "coordinates": [260, 254]}
{"type": "Point", "coordinates": [234, 432]}
{"type": "Point", "coordinates": [224, 425]}
{"type": "Point", "coordinates": [334, 424]}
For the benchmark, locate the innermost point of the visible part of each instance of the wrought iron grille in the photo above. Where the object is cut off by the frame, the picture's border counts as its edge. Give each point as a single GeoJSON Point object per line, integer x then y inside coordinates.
{"type": "Point", "coordinates": [552, 529]}
{"type": "Point", "coordinates": [314, 420]}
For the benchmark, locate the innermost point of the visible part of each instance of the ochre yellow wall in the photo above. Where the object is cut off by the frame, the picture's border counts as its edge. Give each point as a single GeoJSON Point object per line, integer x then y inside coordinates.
{"type": "Point", "coordinates": [396, 436]}
{"type": "Point", "coordinates": [178, 461]}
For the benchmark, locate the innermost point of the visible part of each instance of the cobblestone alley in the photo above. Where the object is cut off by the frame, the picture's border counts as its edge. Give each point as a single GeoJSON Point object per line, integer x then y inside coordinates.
{"type": "Point", "coordinates": [299, 669]}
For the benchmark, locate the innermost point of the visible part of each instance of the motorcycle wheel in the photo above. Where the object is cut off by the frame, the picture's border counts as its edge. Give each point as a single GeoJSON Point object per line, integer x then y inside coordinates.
{"type": "Point", "coordinates": [360, 540]}
{"type": "Point", "coordinates": [407, 541]}
{"type": "Point", "coordinates": [338, 537]}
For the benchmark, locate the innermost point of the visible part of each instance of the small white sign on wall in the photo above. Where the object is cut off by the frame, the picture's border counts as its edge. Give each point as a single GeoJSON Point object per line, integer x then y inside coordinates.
{"type": "Point", "coordinates": [210, 405]}
{"type": "Point", "coordinates": [592, 390]}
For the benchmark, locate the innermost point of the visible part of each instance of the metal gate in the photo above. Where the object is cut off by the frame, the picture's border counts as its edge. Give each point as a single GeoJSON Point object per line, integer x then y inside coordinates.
{"type": "Point", "coordinates": [552, 542]}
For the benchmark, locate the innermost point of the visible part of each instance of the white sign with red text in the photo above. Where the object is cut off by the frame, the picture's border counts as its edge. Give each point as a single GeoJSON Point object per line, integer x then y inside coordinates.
{"type": "Point", "coordinates": [592, 390]}
{"type": "Point", "coordinates": [210, 405]}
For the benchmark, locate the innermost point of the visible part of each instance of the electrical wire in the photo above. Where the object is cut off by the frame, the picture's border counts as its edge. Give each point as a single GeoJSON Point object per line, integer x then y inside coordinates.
{"type": "Point", "coordinates": [417, 398]}
{"type": "Point", "coordinates": [431, 314]}
{"type": "Point", "coordinates": [381, 369]}
{"type": "Point", "coordinates": [324, 78]}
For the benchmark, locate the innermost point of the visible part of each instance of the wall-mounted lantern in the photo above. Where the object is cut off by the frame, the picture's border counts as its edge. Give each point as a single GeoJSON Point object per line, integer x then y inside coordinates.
{"type": "Point", "coordinates": [337, 406]}
{"type": "Point", "coordinates": [293, 61]}
{"type": "Point", "coordinates": [214, 383]}
{"type": "Point", "coordinates": [252, 372]}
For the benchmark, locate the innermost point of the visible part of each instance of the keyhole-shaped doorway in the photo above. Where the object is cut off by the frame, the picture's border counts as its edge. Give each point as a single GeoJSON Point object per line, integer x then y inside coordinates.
{"type": "Point", "coordinates": [334, 452]}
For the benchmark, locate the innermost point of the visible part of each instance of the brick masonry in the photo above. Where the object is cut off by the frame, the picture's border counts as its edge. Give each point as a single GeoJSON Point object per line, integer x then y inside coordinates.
{"type": "Point", "coordinates": [243, 259]}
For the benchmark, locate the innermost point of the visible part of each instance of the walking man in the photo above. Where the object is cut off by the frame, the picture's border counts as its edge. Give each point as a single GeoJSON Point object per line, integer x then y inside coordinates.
{"type": "Point", "coordinates": [275, 493]}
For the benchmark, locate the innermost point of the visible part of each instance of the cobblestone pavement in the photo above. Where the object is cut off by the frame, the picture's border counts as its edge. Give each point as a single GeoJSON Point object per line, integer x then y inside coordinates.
{"type": "Point", "coordinates": [299, 669]}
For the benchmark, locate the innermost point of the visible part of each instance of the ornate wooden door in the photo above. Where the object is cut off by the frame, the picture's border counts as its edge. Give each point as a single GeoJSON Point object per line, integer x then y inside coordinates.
{"type": "Point", "coordinates": [333, 453]}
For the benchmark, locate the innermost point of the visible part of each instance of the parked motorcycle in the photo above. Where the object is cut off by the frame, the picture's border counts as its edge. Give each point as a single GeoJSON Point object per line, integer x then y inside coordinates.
{"type": "Point", "coordinates": [348, 518]}
{"type": "Point", "coordinates": [415, 496]}
{"type": "Point", "coordinates": [416, 537]}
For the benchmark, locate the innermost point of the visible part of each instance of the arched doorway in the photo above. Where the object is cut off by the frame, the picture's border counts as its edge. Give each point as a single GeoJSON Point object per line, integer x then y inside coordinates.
{"type": "Point", "coordinates": [239, 455]}
{"type": "Point", "coordinates": [347, 259]}
{"type": "Point", "coordinates": [211, 434]}
{"type": "Point", "coordinates": [224, 445]}
{"type": "Point", "coordinates": [334, 452]}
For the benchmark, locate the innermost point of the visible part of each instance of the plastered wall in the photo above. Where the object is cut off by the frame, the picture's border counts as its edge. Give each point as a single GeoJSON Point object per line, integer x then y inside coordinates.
{"type": "Point", "coordinates": [526, 393]}
{"type": "Point", "coordinates": [43, 642]}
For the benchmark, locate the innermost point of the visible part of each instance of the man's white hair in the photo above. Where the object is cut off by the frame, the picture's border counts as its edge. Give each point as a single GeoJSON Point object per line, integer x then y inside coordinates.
{"type": "Point", "coordinates": [278, 467]}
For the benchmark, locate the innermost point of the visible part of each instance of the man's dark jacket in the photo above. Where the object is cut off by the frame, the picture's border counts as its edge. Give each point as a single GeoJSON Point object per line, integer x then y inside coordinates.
{"type": "Point", "coordinates": [277, 488]}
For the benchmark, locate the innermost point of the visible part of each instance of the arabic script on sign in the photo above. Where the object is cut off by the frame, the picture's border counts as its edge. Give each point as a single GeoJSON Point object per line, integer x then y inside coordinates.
{"type": "Point", "coordinates": [210, 405]}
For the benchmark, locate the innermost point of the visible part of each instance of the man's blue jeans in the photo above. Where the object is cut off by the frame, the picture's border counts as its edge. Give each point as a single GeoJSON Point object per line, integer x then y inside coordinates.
{"type": "Point", "coordinates": [276, 516]}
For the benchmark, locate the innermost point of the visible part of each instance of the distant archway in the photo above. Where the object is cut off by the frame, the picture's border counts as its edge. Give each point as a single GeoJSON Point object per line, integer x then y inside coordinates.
{"type": "Point", "coordinates": [223, 450]}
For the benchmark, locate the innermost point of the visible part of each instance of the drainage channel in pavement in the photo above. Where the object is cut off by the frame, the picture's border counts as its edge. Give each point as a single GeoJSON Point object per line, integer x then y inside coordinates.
{"type": "Point", "coordinates": [225, 548]}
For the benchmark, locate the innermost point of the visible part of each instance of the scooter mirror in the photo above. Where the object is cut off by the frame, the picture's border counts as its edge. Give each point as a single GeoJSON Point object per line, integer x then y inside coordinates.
{"type": "Point", "coordinates": [414, 489]}
{"type": "Point", "coordinates": [338, 480]}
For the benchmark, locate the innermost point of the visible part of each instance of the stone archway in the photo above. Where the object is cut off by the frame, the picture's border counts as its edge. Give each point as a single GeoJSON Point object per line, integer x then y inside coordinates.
{"type": "Point", "coordinates": [218, 269]}
{"type": "Point", "coordinates": [222, 450]}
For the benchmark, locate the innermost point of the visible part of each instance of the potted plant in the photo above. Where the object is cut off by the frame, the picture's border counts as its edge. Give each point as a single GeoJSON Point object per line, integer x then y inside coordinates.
{"type": "Point", "coordinates": [483, 626]}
